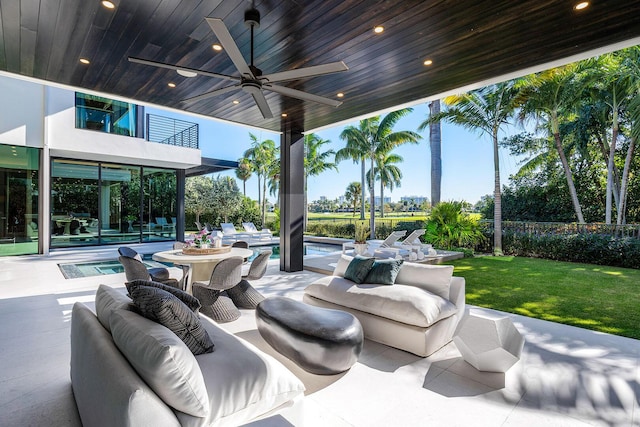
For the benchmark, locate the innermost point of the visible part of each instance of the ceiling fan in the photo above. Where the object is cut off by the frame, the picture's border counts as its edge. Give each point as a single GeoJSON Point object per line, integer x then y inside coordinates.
{"type": "Point", "coordinates": [251, 79]}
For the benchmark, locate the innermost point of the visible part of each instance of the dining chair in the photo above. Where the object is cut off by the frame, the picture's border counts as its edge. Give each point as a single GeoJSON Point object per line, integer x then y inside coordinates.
{"type": "Point", "coordinates": [243, 294]}
{"type": "Point", "coordinates": [240, 244]}
{"type": "Point", "coordinates": [225, 275]}
{"type": "Point", "coordinates": [134, 269]}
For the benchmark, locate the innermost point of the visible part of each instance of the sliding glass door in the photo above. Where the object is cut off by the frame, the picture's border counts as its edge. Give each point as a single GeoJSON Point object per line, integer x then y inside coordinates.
{"type": "Point", "coordinates": [96, 203]}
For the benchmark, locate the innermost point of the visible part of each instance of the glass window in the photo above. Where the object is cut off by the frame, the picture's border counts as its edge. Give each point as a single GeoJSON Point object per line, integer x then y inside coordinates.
{"type": "Point", "coordinates": [160, 199]}
{"type": "Point", "coordinates": [19, 173]}
{"type": "Point", "coordinates": [105, 115]}
{"type": "Point", "coordinates": [120, 195]}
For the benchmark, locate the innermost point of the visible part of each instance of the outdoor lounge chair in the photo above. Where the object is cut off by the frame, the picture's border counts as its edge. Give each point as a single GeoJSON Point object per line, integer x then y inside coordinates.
{"type": "Point", "coordinates": [250, 227]}
{"type": "Point", "coordinates": [230, 234]}
{"type": "Point", "coordinates": [413, 238]}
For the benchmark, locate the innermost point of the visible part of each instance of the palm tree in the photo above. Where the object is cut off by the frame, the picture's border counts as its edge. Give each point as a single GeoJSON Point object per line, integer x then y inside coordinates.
{"type": "Point", "coordinates": [262, 156]}
{"type": "Point", "coordinates": [243, 173]}
{"type": "Point", "coordinates": [388, 173]}
{"type": "Point", "coordinates": [315, 162]}
{"type": "Point", "coordinates": [435, 147]}
{"type": "Point", "coordinates": [547, 96]}
{"type": "Point", "coordinates": [485, 110]}
{"type": "Point", "coordinates": [353, 193]}
{"type": "Point", "coordinates": [372, 137]}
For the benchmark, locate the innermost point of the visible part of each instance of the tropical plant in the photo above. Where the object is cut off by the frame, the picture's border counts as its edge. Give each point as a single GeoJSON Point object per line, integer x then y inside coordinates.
{"type": "Point", "coordinates": [353, 194]}
{"type": "Point", "coordinates": [485, 110]}
{"type": "Point", "coordinates": [198, 195]}
{"type": "Point", "coordinates": [372, 137]}
{"type": "Point", "coordinates": [262, 156]}
{"type": "Point", "coordinates": [316, 162]}
{"type": "Point", "coordinates": [244, 172]}
{"type": "Point", "coordinates": [361, 232]}
{"type": "Point", "coordinates": [449, 227]}
{"type": "Point", "coordinates": [548, 97]}
{"type": "Point", "coordinates": [388, 173]}
{"type": "Point", "coordinates": [227, 199]}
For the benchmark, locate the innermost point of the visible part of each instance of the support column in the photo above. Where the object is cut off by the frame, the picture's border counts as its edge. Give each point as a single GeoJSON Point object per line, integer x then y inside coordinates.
{"type": "Point", "coordinates": [291, 196]}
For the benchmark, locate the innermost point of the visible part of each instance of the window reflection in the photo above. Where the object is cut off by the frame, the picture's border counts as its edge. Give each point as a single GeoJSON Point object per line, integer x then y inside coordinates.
{"type": "Point", "coordinates": [106, 115]}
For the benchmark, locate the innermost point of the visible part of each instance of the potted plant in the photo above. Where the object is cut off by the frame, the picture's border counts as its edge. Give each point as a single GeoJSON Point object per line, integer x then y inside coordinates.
{"type": "Point", "coordinates": [130, 218]}
{"type": "Point", "coordinates": [361, 234]}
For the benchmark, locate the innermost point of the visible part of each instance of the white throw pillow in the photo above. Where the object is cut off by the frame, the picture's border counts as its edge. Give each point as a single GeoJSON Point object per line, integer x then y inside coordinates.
{"type": "Point", "coordinates": [107, 301]}
{"type": "Point", "coordinates": [343, 264]}
{"type": "Point", "coordinates": [162, 360]}
{"type": "Point", "coordinates": [433, 278]}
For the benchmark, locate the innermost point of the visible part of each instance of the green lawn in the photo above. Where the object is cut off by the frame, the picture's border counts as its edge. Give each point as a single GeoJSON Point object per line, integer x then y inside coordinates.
{"type": "Point", "coordinates": [589, 296]}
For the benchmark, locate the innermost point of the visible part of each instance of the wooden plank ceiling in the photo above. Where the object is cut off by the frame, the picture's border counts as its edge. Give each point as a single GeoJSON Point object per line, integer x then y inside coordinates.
{"type": "Point", "coordinates": [468, 41]}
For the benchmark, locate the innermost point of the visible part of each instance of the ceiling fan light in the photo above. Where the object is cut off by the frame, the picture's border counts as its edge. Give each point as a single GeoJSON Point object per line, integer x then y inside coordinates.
{"type": "Point", "coordinates": [185, 73]}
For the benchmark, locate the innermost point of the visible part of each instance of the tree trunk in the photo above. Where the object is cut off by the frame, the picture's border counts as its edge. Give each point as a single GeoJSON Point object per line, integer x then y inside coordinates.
{"type": "Point", "coordinates": [244, 187]}
{"type": "Point", "coordinates": [372, 207]}
{"type": "Point", "coordinates": [497, 199]}
{"type": "Point", "coordinates": [435, 145]}
{"type": "Point", "coordinates": [569, 176]}
{"type": "Point", "coordinates": [381, 198]}
{"type": "Point", "coordinates": [362, 183]}
{"type": "Point", "coordinates": [610, 171]}
{"type": "Point", "coordinates": [264, 201]}
{"type": "Point", "coordinates": [625, 179]}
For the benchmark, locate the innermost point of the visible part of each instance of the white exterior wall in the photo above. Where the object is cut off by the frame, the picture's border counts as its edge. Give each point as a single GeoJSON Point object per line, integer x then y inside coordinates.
{"type": "Point", "coordinates": [21, 113]}
{"type": "Point", "coordinates": [65, 140]}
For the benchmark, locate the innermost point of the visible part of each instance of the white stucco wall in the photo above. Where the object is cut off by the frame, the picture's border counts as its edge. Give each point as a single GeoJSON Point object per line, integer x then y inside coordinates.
{"type": "Point", "coordinates": [21, 109]}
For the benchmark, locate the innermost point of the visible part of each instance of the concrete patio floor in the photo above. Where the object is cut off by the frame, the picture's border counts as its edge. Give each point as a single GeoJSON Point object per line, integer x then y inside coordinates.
{"type": "Point", "coordinates": [567, 376]}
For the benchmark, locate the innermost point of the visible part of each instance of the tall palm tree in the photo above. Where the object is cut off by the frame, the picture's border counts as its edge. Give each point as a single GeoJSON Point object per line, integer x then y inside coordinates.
{"type": "Point", "coordinates": [243, 173]}
{"type": "Point", "coordinates": [356, 150]}
{"type": "Point", "coordinates": [435, 147]}
{"type": "Point", "coordinates": [316, 162]}
{"type": "Point", "coordinates": [485, 110]}
{"type": "Point", "coordinates": [262, 156]}
{"type": "Point", "coordinates": [548, 96]}
{"type": "Point", "coordinates": [372, 137]}
{"type": "Point", "coordinates": [388, 173]}
{"type": "Point", "coordinates": [353, 193]}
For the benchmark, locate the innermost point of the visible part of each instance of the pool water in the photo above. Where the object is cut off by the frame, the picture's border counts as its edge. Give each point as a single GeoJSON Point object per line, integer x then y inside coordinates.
{"type": "Point", "coordinates": [98, 268]}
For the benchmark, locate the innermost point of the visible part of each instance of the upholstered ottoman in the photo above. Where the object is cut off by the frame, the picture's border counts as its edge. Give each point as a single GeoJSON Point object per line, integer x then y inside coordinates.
{"type": "Point", "coordinates": [320, 340]}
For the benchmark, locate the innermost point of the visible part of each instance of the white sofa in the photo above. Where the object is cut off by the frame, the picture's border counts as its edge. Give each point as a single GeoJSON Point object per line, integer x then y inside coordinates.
{"type": "Point", "coordinates": [127, 370]}
{"type": "Point", "coordinates": [419, 313]}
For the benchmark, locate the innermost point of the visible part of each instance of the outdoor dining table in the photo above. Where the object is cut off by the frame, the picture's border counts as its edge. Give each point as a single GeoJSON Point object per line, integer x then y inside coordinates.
{"type": "Point", "coordinates": [200, 266]}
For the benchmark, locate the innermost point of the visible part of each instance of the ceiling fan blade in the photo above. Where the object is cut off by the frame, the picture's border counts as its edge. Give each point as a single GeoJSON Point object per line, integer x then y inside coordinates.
{"type": "Point", "coordinates": [175, 67]}
{"type": "Point", "coordinates": [261, 101]}
{"type": "Point", "coordinates": [299, 73]}
{"type": "Point", "coordinates": [212, 93]}
{"type": "Point", "coordinates": [229, 45]}
{"type": "Point", "coordinates": [294, 93]}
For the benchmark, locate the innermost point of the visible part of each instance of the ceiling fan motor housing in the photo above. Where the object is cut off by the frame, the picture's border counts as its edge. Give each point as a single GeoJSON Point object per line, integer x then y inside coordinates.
{"type": "Point", "coordinates": [252, 18]}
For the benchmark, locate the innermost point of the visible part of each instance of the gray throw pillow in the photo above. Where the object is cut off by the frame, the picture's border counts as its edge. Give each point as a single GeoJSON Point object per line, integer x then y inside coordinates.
{"type": "Point", "coordinates": [358, 269]}
{"type": "Point", "coordinates": [192, 302]}
{"type": "Point", "coordinates": [162, 307]}
{"type": "Point", "coordinates": [384, 271]}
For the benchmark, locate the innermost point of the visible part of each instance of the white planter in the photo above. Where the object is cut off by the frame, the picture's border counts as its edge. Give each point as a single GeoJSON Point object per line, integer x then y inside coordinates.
{"type": "Point", "coordinates": [360, 248]}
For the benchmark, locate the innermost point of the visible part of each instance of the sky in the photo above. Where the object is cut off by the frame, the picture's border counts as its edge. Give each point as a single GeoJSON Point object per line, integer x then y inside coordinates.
{"type": "Point", "coordinates": [467, 159]}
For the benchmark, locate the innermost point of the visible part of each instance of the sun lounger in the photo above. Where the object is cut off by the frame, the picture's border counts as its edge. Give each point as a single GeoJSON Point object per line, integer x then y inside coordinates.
{"type": "Point", "coordinates": [230, 234]}
{"type": "Point", "coordinates": [250, 227]}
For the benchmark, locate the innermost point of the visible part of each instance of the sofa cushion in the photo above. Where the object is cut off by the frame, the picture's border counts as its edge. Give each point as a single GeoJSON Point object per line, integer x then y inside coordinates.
{"type": "Point", "coordinates": [358, 268]}
{"type": "Point", "coordinates": [166, 309]}
{"type": "Point", "coordinates": [109, 299]}
{"type": "Point", "coordinates": [384, 271]}
{"type": "Point", "coordinates": [242, 381]}
{"type": "Point", "coordinates": [342, 265]}
{"type": "Point", "coordinates": [162, 360]}
{"type": "Point", "coordinates": [433, 278]}
{"type": "Point", "coordinates": [407, 304]}
{"type": "Point", "coordinates": [192, 302]}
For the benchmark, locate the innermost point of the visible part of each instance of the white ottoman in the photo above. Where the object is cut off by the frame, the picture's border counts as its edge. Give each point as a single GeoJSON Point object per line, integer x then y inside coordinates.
{"type": "Point", "coordinates": [488, 343]}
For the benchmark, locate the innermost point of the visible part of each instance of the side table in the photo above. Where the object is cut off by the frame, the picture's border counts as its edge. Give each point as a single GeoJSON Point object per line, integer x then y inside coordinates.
{"type": "Point", "coordinates": [488, 343]}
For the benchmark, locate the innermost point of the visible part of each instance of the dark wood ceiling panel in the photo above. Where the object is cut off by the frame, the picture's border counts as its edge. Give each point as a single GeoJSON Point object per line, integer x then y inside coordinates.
{"type": "Point", "coordinates": [469, 42]}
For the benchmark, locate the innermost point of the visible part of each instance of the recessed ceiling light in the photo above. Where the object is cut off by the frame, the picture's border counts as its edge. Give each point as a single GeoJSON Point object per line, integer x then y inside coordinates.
{"type": "Point", "coordinates": [85, 61]}
{"type": "Point", "coordinates": [581, 5]}
{"type": "Point", "coordinates": [108, 4]}
{"type": "Point", "coordinates": [185, 73]}
{"type": "Point", "coordinates": [284, 114]}
{"type": "Point", "coordinates": [378, 29]}
{"type": "Point", "coordinates": [171, 85]}
{"type": "Point", "coordinates": [340, 94]}
{"type": "Point", "coordinates": [216, 47]}
{"type": "Point", "coordinates": [427, 62]}
{"type": "Point", "coordinates": [235, 101]}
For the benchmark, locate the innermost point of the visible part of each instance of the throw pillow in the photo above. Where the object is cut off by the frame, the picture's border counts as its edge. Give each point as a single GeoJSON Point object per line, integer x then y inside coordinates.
{"type": "Point", "coordinates": [162, 307]}
{"type": "Point", "coordinates": [107, 300]}
{"type": "Point", "coordinates": [358, 269]}
{"type": "Point", "coordinates": [384, 271]}
{"type": "Point", "coordinates": [192, 302]}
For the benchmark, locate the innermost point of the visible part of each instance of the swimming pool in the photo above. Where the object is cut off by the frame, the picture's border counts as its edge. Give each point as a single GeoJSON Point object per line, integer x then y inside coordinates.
{"type": "Point", "coordinates": [98, 268]}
